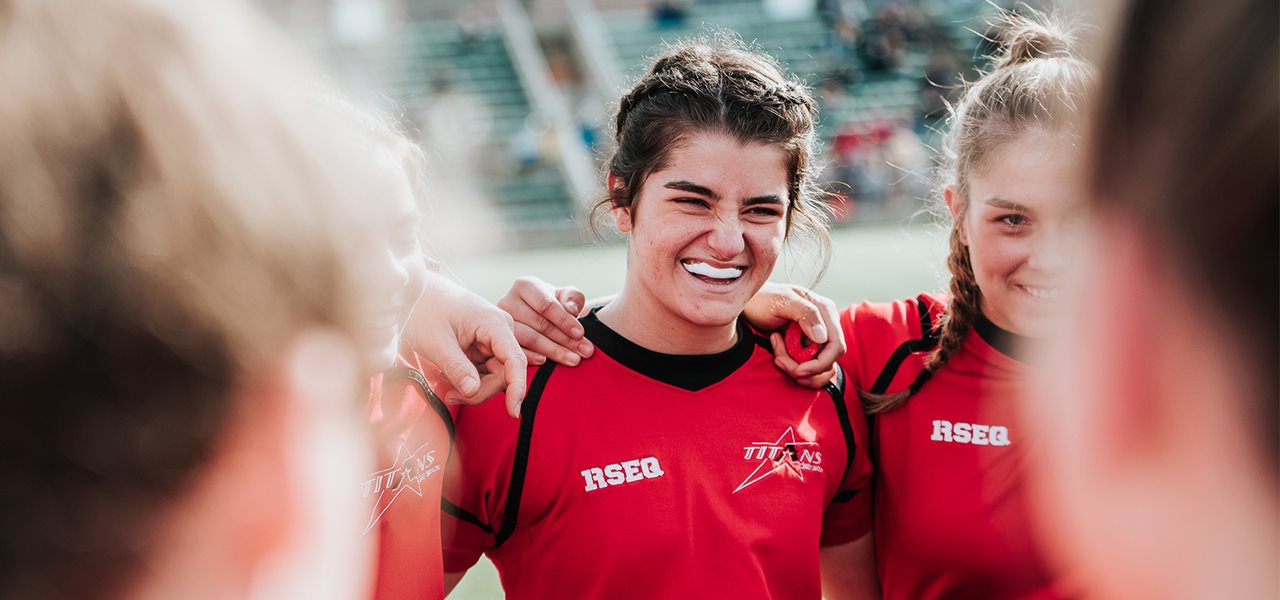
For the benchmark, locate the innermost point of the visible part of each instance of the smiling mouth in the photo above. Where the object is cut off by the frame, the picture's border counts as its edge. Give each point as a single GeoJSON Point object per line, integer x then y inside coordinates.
{"type": "Point", "coordinates": [1040, 293]}
{"type": "Point", "coordinates": [712, 274]}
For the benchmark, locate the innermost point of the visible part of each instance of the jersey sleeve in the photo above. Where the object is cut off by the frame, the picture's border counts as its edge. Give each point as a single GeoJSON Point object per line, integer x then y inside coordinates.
{"type": "Point", "coordinates": [888, 342]}
{"type": "Point", "coordinates": [848, 516]}
{"type": "Point", "coordinates": [476, 482]}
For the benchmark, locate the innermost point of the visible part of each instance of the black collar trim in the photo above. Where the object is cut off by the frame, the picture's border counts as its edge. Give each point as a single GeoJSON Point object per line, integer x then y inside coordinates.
{"type": "Point", "coordinates": [686, 371]}
{"type": "Point", "coordinates": [1006, 342]}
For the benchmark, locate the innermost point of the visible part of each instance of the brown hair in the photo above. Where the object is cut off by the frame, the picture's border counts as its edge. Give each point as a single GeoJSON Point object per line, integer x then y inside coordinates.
{"type": "Point", "coordinates": [172, 215]}
{"type": "Point", "coordinates": [716, 84]}
{"type": "Point", "coordinates": [1184, 142]}
{"type": "Point", "coordinates": [1036, 81]}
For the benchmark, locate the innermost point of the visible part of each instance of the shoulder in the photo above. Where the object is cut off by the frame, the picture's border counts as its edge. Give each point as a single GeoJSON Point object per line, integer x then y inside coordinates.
{"type": "Point", "coordinates": [490, 418]}
{"type": "Point", "coordinates": [893, 322]}
{"type": "Point", "coordinates": [882, 335]}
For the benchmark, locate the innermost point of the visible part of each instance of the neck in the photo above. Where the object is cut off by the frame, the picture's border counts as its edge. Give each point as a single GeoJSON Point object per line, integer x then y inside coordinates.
{"type": "Point", "coordinates": [649, 324]}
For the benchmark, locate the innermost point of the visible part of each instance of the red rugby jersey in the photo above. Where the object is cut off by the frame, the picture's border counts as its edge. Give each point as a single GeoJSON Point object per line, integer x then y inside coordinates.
{"type": "Point", "coordinates": [413, 429]}
{"type": "Point", "coordinates": [645, 475]}
{"type": "Point", "coordinates": [949, 513]}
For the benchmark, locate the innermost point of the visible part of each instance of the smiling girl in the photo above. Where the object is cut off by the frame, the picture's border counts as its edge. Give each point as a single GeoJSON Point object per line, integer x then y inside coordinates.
{"type": "Point", "coordinates": [943, 375]}
{"type": "Point", "coordinates": [676, 461]}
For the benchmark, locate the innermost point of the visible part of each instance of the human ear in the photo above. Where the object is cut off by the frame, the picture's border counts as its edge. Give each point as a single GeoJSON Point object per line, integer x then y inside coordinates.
{"type": "Point", "coordinates": [621, 215]}
{"type": "Point", "coordinates": [622, 219]}
{"type": "Point", "coordinates": [954, 204]}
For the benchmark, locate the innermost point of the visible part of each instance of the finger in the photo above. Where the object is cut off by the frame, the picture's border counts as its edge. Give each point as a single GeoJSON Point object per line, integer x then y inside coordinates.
{"type": "Point", "coordinates": [780, 357]}
{"type": "Point", "coordinates": [455, 366]}
{"type": "Point", "coordinates": [572, 299]}
{"type": "Point", "coordinates": [507, 351]}
{"type": "Point", "coordinates": [799, 306]}
{"type": "Point", "coordinates": [533, 358]}
{"type": "Point", "coordinates": [534, 342]}
{"type": "Point", "coordinates": [491, 384]}
{"type": "Point", "coordinates": [532, 329]}
{"type": "Point", "coordinates": [554, 314]}
{"type": "Point", "coordinates": [766, 308]}
{"type": "Point", "coordinates": [815, 330]}
{"type": "Point", "coordinates": [817, 381]}
{"type": "Point", "coordinates": [830, 352]}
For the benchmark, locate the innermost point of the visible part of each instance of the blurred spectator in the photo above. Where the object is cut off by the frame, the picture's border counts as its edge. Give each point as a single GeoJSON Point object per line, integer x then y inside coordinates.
{"type": "Point", "coordinates": [670, 14]}
{"type": "Point", "coordinates": [938, 86]}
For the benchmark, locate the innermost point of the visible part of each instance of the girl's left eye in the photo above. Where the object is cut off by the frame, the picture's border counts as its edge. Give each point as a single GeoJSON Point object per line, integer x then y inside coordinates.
{"type": "Point", "coordinates": [1014, 220]}
{"type": "Point", "coordinates": [764, 211]}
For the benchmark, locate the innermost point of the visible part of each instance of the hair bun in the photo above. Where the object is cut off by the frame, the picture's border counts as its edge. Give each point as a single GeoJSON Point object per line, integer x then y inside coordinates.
{"type": "Point", "coordinates": [1025, 39]}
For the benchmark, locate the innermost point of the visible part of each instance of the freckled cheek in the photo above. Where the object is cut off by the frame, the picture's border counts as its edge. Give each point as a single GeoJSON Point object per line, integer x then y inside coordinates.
{"type": "Point", "coordinates": [995, 257]}
{"type": "Point", "coordinates": [765, 247]}
{"type": "Point", "coordinates": [654, 256]}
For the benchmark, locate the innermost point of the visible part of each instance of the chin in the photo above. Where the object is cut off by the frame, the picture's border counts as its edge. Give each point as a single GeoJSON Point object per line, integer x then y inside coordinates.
{"type": "Point", "coordinates": [714, 316]}
{"type": "Point", "coordinates": [382, 357]}
{"type": "Point", "coordinates": [1037, 325]}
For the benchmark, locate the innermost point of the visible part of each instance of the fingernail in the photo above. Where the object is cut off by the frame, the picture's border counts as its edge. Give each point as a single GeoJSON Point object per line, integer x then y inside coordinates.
{"type": "Point", "coordinates": [573, 307]}
{"type": "Point", "coordinates": [572, 360]}
{"type": "Point", "coordinates": [469, 385]}
{"type": "Point", "coordinates": [584, 348]}
{"type": "Point", "coordinates": [820, 333]}
{"type": "Point", "coordinates": [537, 360]}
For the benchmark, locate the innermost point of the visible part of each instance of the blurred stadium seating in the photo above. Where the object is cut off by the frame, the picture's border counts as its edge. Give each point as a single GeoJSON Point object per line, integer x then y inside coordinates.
{"type": "Point", "coordinates": [423, 51]}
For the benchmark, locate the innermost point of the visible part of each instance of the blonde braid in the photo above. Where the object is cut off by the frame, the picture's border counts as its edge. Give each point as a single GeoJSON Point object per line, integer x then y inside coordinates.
{"type": "Point", "coordinates": [953, 324]}
{"type": "Point", "coordinates": [963, 308]}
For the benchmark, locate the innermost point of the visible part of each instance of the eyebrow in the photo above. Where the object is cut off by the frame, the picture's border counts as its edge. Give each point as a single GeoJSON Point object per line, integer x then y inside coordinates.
{"type": "Point", "coordinates": [1006, 204]}
{"type": "Point", "coordinates": [693, 188]}
{"type": "Point", "coordinates": [770, 199]}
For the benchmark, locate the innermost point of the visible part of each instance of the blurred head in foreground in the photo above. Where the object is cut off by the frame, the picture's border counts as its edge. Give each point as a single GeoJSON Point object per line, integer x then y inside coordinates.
{"type": "Point", "coordinates": [1162, 465]}
{"type": "Point", "coordinates": [392, 261]}
{"type": "Point", "coordinates": [178, 308]}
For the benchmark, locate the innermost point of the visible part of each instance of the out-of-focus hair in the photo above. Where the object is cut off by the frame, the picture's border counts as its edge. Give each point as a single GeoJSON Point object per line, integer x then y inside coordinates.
{"type": "Point", "coordinates": [381, 134]}
{"type": "Point", "coordinates": [1037, 81]}
{"type": "Point", "coordinates": [717, 85]}
{"type": "Point", "coordinates": [172, 215]}
{"type": "Point", "coordinates": [1185, 142]}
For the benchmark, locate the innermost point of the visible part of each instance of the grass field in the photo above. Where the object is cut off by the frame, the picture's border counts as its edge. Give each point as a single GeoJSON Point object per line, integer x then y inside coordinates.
{"type": "Point", "coordinates": [869, 262]}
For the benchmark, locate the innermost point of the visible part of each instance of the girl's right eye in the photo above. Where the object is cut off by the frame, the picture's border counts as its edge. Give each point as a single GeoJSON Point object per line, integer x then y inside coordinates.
{"type": "Point", "coordinates": [691, 201]}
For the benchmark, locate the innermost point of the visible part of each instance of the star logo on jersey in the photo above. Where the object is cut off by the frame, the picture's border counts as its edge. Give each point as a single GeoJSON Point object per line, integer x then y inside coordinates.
{"type": "Point", "coordinates": [785, 456]}
{"type": "Point", "coordinates": [407, 472]}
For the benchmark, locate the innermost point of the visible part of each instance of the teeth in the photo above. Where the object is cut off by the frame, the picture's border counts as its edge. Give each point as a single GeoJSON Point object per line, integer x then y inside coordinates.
{"type": "Point", "coordinates": [1041, 293]}
{"type": "Point", "coordinates": [706, 270]}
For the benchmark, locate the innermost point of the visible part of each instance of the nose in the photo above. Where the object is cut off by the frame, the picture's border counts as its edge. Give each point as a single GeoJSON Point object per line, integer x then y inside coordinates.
{"type": "Point", "coordinates": [387, 276]}
{"type": "Point", "coordinates": [726, 240]}
{"type": "Point", "coordinates": [1050, 252]}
